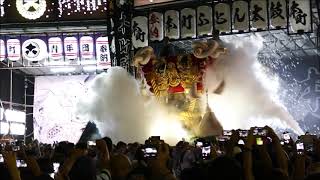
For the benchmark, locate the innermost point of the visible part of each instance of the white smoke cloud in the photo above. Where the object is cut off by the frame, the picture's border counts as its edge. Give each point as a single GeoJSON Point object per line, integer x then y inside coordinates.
{"type": "Point", "coordinates": [250, 95]}
{"type": "Point", "coordinates": [115, 104]}
{"type": "Point", "coordinates": [249, 99]}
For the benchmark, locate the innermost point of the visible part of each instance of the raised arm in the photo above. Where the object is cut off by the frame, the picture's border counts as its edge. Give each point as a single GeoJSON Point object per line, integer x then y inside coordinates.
{"type": "Point", "coordinates": [247, 156]}
{"type": "Point", "coordinates": [11, 161]}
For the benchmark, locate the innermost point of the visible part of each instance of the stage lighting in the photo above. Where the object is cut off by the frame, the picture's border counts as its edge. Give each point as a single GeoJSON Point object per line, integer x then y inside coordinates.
{"type": "Point", "coordinates": [15, 116]}
{"type": "Point", "coordinates": [1, 114]}
{"type": "Point", "coordinates": [17, 129]}
{"type": "Point", "coordinates": [4, 128]}
{"type": "Point", "coordinates": [92, 68]}
{"type": "Point", "coordinates": [63, 70]}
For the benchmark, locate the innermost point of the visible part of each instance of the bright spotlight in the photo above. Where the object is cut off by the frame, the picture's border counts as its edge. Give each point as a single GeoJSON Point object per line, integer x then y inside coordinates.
{"type": "Point", "coordinates": [63, 70]}
{"type": "Point", "coordinates": [1, 113]}
{"type": "Point", "coordinates": [15, 116]}
{"type": "Point", "coordinates": [17, 129]}
{"type": "Point", "coordinates": [4, 128]}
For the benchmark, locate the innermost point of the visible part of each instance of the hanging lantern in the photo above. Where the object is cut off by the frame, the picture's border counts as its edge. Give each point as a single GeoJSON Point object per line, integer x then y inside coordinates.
{"type": "Point", "coordinates": [34, 50]}
{"type": "Point", "coordinates": [86, 47]}
{"type": "Point", "coordinates": [13, 49]}
{"type": "Point", "coordinates": [71, 48]}
{"type": "Point", "coordinates": [55, 48]}
{"type": "Point", "coordinates": [2, 50]}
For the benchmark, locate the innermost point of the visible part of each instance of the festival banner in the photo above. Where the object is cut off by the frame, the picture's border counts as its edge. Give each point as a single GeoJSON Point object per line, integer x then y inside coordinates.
{"type": "Point", "coordinates": [222, 17]}
{"type": "Point", "coordinates": [71, 48]}
{"type": "Point", "coordinates": [188, 23]}
{"type": "Point", "coordinates": [240, 15]}
{"type": "Point", "coordinates": [2, 50]}
{"type": "Point", "coordinates": [140, 31]}
{"type": "Point", "coordinates": [278, 14]}
{"type": "Point", "coordinates": [204, 20]}
{"type": "Point", "coordinates": [172, 24]}
{"type": "Point", "coordinates": [156, 26]}
{"type": "Point", "coordinates": [123, 33]}
{"type": "Point", "coordinates": [259, 14]}
{"type": "Point", "coordinates": [13, 49]}
{"type": "Point", "coordinates": [103, 52]}
{"type": "Point", "coordinates": [55, 49]}
{"type": "Point", "coordinates": [300, 16]}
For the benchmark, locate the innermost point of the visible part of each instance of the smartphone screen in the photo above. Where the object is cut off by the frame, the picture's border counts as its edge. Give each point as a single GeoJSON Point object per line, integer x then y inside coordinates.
{"type": "Point", "coordinates": [227, 133]}
{"type": "Point", "coordinates": [259, 141]}
{"type": "Point", "coordinates": [286, 136]}
{"type": "Point", "coordinates": [243, 133]}
{"type": "Point", "coordinates": [56, 167]}
{"type": "Point", "coordinates": [21, 163]}
{"type": "Point", "coordinates": [91, 143]}
{"type": "Point", "coordinates": [300, 147]}
{"type": "Point", "coordinates": [206, 151]}
{"type": "Point", "coordinates": [241, 142]}
{"type": "Point", "coordinates": [199, 144]}
{"type": "Point", "coordinates": [150, 152]}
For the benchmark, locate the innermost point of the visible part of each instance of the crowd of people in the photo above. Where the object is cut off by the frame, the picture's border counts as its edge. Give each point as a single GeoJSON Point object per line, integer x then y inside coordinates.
{"type": "Point", "coordinates": [255, 154]}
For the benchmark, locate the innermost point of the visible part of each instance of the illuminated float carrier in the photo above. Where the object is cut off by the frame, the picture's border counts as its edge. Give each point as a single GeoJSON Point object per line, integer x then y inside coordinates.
{"type": "Point", "coordinates": [177, 81]}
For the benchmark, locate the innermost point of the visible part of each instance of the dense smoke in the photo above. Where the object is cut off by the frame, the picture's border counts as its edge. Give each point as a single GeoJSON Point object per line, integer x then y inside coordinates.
{"type": "Point", "coordinates": [249, 99]}
{"type": "Point", "coordinates": [114, 102]}
{"type": "Point", "coordinates": [250, 95]}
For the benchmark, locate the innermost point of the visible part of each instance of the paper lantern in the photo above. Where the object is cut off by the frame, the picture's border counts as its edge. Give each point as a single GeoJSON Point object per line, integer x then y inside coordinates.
{"type": "Point", "coordinates": [204, 20]}
{"type": "Point", "coordinates": [222, 19]}
{"type": "Point", "coordinates": [2, 51]}
{"type": "Point", "coordinates": [34, 50]}
{"type": "Point", "coordinates": [86, 47]}
{"type": "Point", "coordinates": [259, 14]}
{"type": "Point", "coordinates": [188, 23]}
{"type": "Point", "coordinates": [13, 49]}
{"type": "Point", "coordinates": [102, 51]}
{"type": "Point", "coordinates": [172, 25]}
{"type": "Point", "coordinates": [240, 15]}
{"type": "Point", "coordinates": [71, 48]}
{"type": "Point", "coordinates": [140, 31]}
{"type": "Point", "coordinates": [156, 26]}
{"type": "Point", "coordinates": [278, 13]}
{"type": "Point", "coordinates": [300, 15]}
{"type": "Point", "coordinates": [55, 48]}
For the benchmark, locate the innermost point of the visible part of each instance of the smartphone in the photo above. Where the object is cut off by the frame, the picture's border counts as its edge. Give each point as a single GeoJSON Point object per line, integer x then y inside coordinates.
{"type": "Point", "coordinates": [199, 144]}
{"type": "Point", "coordinates": [21, 163]}
{"type": "Point", "coordinates": [91, 143]}
{"type": "Point", "coordinates": [241, 142]}
{"type": "Point", "coordinates": [206, 151]}
{"type": "Point", "coordinates": [15, 148]}
{"type": "Point", "coordinates": [56, 167]}
{"type": "Point", "coordinates": [259, 141]}
{"type": "Point", "coordinates": [227, 132]}
{"type": "Point", "coordinates": [243, 133]}
{"type": "Point", "coordinates": [300, 147]}
{"type": "Point", "coordinates": [150, 152]}
{"type": "Point", "coordinates": [259, 131]}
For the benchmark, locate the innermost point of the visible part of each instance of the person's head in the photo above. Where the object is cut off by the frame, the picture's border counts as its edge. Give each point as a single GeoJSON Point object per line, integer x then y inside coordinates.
{"type": "Point", "coordinates": [225, 168]}
{"type": "Point", "coordinates": [109, 143]}
{"type": "Point", "coordinates": [83, 169]}
{"type": "Point", "coordinates": [120, 166]}
{"type": "Point", "coordinates": [121, 147]}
